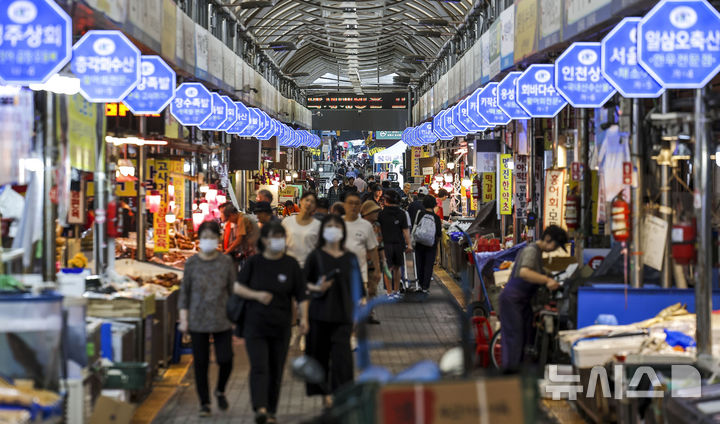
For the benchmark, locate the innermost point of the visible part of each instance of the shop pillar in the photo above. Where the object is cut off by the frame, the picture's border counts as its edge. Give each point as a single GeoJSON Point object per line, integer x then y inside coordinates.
{"type": "Point", "coordinates": [49, 155]}
{"type": "Point", "coordinates": [636, 152]}
{"type": "Point", "coordinates": [702, 170]}
{"type": "Point", "coordinates": [140, 217]}
{"type": "Point", "coordinates": [665, 207]}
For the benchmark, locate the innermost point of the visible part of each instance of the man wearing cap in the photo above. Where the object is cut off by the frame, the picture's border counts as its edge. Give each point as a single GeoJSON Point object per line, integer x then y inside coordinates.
{"type": "Point", "coordinates": [417, 205]}
{"type": "Point", "coordinates": [264, 213]}
{"type": "Point", "coordinates": [516, 316]}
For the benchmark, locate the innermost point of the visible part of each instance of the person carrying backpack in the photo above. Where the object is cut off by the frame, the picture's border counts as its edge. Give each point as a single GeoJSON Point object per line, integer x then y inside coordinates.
{"type": "Point", "coordinates": [427, 231]}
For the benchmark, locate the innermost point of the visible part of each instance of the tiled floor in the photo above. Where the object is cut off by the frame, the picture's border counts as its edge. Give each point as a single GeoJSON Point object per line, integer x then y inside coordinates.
{"type": "Point", "coordinates": [407, 322]}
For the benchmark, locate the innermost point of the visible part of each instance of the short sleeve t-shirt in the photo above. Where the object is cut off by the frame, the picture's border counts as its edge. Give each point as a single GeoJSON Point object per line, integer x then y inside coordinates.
{"type": "Point", "coordinates": [530, 257]}
{"type": "Point", "coordinates": [281, 277]}
{"type": "Point", "coordinates": [360, 238]}
{"type": "Point", "coordinates": [393, 221]}
{"type": "Point", "coordinates": [301, 239]}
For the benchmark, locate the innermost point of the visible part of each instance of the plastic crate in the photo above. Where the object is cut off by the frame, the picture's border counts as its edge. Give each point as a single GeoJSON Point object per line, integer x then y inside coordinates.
{"type": "Point", "coordinates": [128, 376]}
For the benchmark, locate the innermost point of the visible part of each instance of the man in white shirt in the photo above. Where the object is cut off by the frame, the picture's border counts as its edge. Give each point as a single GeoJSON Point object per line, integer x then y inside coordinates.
{"type": "Point", "coordinates": [361, 241]}
{"type": "Point", "coordinates": [360, 184]}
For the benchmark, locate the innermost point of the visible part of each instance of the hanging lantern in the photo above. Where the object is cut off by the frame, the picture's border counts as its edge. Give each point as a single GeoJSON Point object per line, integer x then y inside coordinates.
{"type": "Point", "coordinates": [221, 198]}
{"type": "Point", "coordinates": [198, 217]}
{"type": "Point", "coordinates": [204, 207]}
{"type": "Point", "coordinates": [170, 218]}
{"type": "Point", "coordinates": [467, 182]}
{"type": "Point", "coordinates": [435, 186]}
{"type": "Point", "coordinates": [152, 200]}
{"type": "Point", "coordinates": [211, 194]}
{"type": "Point", "coordinates": [126, 167]}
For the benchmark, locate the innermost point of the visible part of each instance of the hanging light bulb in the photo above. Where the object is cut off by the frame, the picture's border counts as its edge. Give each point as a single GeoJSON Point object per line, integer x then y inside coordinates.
{"type": "Point", "coordinates": [466, 182]}
{"type": "Point", "coordinates": [186, 167]}
{"type": "Point", "coordinates": [205, 207]}
{"type": "Point", "coordinates": [451, 165]}
{"type": "Point", "coordinates": [171, 206]}
{"type": "Point", "coordinates": [448, 178]}
{"type": "Point", "coordinates": [211, 194]}
{"type": "Point", "coordinates": [152, 200]}
{"type": "Point", "coordinates": [439, 178]}
{"type": "Point", "coordinates": [194, 207]}
{"type": "Point", "coordinates": [221, 198]}
{"type": "Point", "coordinates": [204, 188]}
{"type": "Point", "coordinates": [435, 186]}
{"type": "Point", "coordinates": [170, 218]}
{"type": "Point", "coordinates": [288, 178]}
{"type": "Point", "coordinates": [171, 190]}
{"type": "Point", "coordinates": [294, 174]}
{"type": "Point", "coordinates": [126, 168]}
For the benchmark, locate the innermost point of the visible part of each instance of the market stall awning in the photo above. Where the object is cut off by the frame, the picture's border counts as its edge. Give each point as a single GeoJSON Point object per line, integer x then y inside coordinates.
{"type": "Point", "coordinates": [390, 154]}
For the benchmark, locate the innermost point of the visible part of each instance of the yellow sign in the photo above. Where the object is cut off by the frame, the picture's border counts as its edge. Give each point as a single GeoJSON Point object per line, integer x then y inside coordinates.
{"type": "Point", "coordinates": [159, 175]}
{"type": "Point", "coordinates": [375, 150]}
{"type": "Point", "coordinates": [177, 168]}
{"type": "Point", "coordinates": [82, 131]}
{"type": "Point", "coordinates": [488, 187]}
{"type": "Point", "coordinates": [526, 16]}
{"type": "Point", "coordinates": [505, 184]}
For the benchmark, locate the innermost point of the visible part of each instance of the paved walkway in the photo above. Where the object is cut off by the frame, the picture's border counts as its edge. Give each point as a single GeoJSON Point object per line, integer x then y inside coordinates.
{"type": "Point", "coordinates": [424, 322]}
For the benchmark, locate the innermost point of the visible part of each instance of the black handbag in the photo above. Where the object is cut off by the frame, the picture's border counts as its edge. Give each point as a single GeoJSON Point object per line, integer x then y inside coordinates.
{"type": "Point", "coordinates": [235, 310]}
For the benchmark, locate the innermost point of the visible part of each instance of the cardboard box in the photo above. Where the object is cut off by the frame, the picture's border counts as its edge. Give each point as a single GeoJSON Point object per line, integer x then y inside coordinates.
{"type": "Point", "coordinates": [111, 411]}
{"type": "Point", "coordinates": [494, 400]}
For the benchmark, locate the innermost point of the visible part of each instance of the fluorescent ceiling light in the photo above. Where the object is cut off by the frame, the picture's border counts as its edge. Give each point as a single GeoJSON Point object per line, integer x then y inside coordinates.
{"type": "Point", "coordinates": [134, 141]}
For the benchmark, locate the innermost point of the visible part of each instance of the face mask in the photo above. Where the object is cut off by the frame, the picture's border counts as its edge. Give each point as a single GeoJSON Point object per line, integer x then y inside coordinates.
{"type": "Point", "coordinates": [276, 245]}
{"type": "Point", "coordinates": [332, 234]}
{"type": "Point", "coordinates": [208, 245]}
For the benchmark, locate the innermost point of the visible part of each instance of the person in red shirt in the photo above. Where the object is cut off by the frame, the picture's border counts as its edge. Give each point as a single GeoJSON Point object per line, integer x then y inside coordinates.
{"type": "Point", "coordinates": [290, 208]}
{"type": "Point", "coordinates": [442, 195]}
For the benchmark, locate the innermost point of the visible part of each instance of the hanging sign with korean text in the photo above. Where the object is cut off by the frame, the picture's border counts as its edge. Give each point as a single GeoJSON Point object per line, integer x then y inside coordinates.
{"type": "Point", "coordinates": [462, 111]}
{"type": "Point", "coordinates": [679, 43]}
{"type": "Point", "coordinates": [449, 125]}
{"type": "Point", "coordinates": [505, 180]}
{"type": "Point", "coordinates": [506, 97]}
{"type": "Point", "coordinates": [488, 187]}
{"type": "Point", "coordinates": [161, 235]}
{"type": "Point", "coordinates": [488, 106]}
{"type": "Point", "coordinates": [454, 114]}
{"type": "Point", "coordinates": [242, 119]}
{"type": "Point", "coordinates": [521, 182]}
{"type": "Point", "coordinates": [253, 124]}
{"type": "Point", "coordinates": [218, 115]}
{"type": "Point", "coordinates": [230, 113]}
{"type": "Point", "coordinates": [438, 128]}
{"type": "Point", "coordinates": [35, 41]}
{"type": "Point", "coordinates": [620, 66]}
{"type": "Point", "coordinates": [535, 92]}
{"type": "Point", "coordinates": [426, 134]}
{"type": "Point", "coordinates": [107, 64]}
{"type": "Point", "coordinates": [554, 207]}
{"type": "Point", "coordinates": [156, 88]}
{"type": "Point", "coordinates": [192, 105]}
{"type": "Point", "coordinates": [578, 77]}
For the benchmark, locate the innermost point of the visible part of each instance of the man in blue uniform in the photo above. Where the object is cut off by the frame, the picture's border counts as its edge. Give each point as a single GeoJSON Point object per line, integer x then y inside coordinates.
{"type": "Point", "coordinates": [516, 316]}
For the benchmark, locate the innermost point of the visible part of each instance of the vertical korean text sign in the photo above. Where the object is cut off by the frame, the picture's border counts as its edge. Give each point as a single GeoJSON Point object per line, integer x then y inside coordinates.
{"type": "Point", "coordinates": [505, 184]}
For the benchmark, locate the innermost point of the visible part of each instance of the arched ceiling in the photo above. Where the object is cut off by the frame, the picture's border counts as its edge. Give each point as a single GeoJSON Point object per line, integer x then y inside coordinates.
{"type": "Point", "coordinates": [356, 41]}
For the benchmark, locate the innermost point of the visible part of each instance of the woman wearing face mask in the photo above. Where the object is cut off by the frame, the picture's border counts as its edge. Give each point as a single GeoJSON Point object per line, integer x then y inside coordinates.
{"type": "Point", "coordinates": [335, 282]}
{"type": "Point", "coordinates": [207, 284]}
{"type": "Point", "coordinates": [302, 229]}
{"type": "Point", "coordinates": [270, 281]}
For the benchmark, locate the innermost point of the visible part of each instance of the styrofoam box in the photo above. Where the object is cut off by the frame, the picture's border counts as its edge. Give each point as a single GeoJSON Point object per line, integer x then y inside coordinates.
{"type": "Point", "coordinates": [589, 353]}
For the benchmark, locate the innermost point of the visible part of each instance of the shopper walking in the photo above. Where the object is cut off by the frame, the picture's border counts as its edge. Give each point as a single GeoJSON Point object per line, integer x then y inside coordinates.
{"type": "Point", "coordinates": [206, 286]}
{"type": "Point", "coordinates": [270, 281]}
{"type": "Point", "coordinates": [362, 242]}
{"type": "Point", "coordinates": [302, 229]}
{"type": "Point", "coordinates": [335, 281]}
{"type": "Point", "coordinates": [426, 221]}
{"type": "Point", "coordinates": [334, 192]}
{"type": "Point", "coordinates": [417, 205]}
{"type": "Point", "coordinates": [360, 183]}
{"type": "Point", "coordinates": [396, 237]}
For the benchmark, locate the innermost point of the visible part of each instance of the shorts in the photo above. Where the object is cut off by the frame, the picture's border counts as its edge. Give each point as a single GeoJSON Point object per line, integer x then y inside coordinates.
{"type": "Point", "coordinates": [394, 254]}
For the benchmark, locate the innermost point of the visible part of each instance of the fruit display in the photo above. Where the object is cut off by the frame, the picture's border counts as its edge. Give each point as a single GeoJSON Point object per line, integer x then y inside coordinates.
{"type": "Point", "coordinates": [78, 261]}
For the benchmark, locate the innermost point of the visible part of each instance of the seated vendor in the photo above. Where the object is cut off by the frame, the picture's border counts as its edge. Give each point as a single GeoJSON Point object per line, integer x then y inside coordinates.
{"type": "Point", "coordinates": [516, 315]}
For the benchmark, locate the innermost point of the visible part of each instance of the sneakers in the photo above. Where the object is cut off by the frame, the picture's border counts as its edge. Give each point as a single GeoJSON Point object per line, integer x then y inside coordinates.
{"type": "Point", "coordinates": [204, 411]}
{"type": "Point", "coordinates": [221, 401]}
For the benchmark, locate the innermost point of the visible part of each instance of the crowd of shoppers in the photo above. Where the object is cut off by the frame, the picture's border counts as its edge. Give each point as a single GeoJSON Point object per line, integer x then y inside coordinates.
{"type": "Point", "coordinates": [309, 269]}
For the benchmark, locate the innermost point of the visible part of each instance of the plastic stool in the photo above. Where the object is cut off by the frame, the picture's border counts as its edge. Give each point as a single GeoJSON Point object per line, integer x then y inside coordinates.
{"type": "Point", "coordinates": [178, 349]}
{"type": "Point", "coordinates": [483, 336]}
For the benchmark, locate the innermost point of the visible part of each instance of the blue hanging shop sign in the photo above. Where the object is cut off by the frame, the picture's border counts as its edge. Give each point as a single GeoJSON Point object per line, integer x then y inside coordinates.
{"type": "Point", "coordinates": [488, 106]}
{"type": "Point", "coordinates": [578, 76]}
{"type": "Point", "coordinates": [156, 88]}
{"type": "Point", "coordinates": [535, 92]}
{"type": "Point", "coordinates": [507, 101]}
{"type": "Point", "coordinates": [218, 115]}
{"type": "Point", "coordinates": [192, 105]}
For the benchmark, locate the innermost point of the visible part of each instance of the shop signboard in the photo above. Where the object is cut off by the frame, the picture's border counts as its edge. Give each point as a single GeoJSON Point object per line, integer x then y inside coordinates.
{"type": "Point", "coordinates": [463, 117]}
{"type": "Point", "coordinates": [107, 64]}
{"type": "Point", "coordinates": [485, 49]}
{"type": "Point", "coordinates": [619, 62]}
{"type": "Point", "coordinates": [231, 113]}
{"type": "Point", "coordinates": [266, 127]}
{"type": "Point", "coordinates": [521, 185]}
{"type": "Point", "coordinates": [526, 30]}
{"type": "Point", "coordinates": [506, 97]}
{"type": "Point", "coordinates": [192, 105]}
{"type": "Point", "coordinates": [472, 110]}
{"type": "Point", "coordinates": [488, 187]}
{"type": "Point", "coordinates": [505, 180]}
{"type": "Point", "coordinates": [177, 178]}
{"type": "Point", "coordinates": [578, 77]}
{"type": "Point", "coordinates": [454, 113]}
{"type": "Point", "coordinates": [437, 127]}
{"type": "Point", "coordinates": [35, 42]}
{"type": "Point", "coordinates": [679, 43]}
{"type": "Point", "coordinates": [218, 115]}
{"type": "Point", "coordinates": [551, 21]}
{"type": "Point", "coordinates": [654, 234]}
{"type": "Point", "coordinates": [488, 106]}
{"type": "Point", "coordinates": [554, 206]}
{"type": "Point", "coordinates": [493, 52]}
{"type": "Point", "coordinates": [242, 119]}
{"type": "Point", "coordinates": [425, 133]}
{"type": "Point", "coordinates": [161, 234]}
{"type": "Point", "coordinates": [581, 15]}
{"type": "Point", "coordinates": [404, 137]}
{"type": "Point", "coordinates": [156, 88]}
{"type": "Point", "coordinates": [450, 126]}
{"type": "Point", "coordinates": [535, 92]}
{"type": "Point", "coordinates": [387, 135]}
{"type": "Point", "coordinates": [254, 123]}
{"type": "Point", "coordinates": [507, 38]}
{"type": "Point", "coordinates": [76, 212]}
{"type": "Point", "coordinates": [416, 155]}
